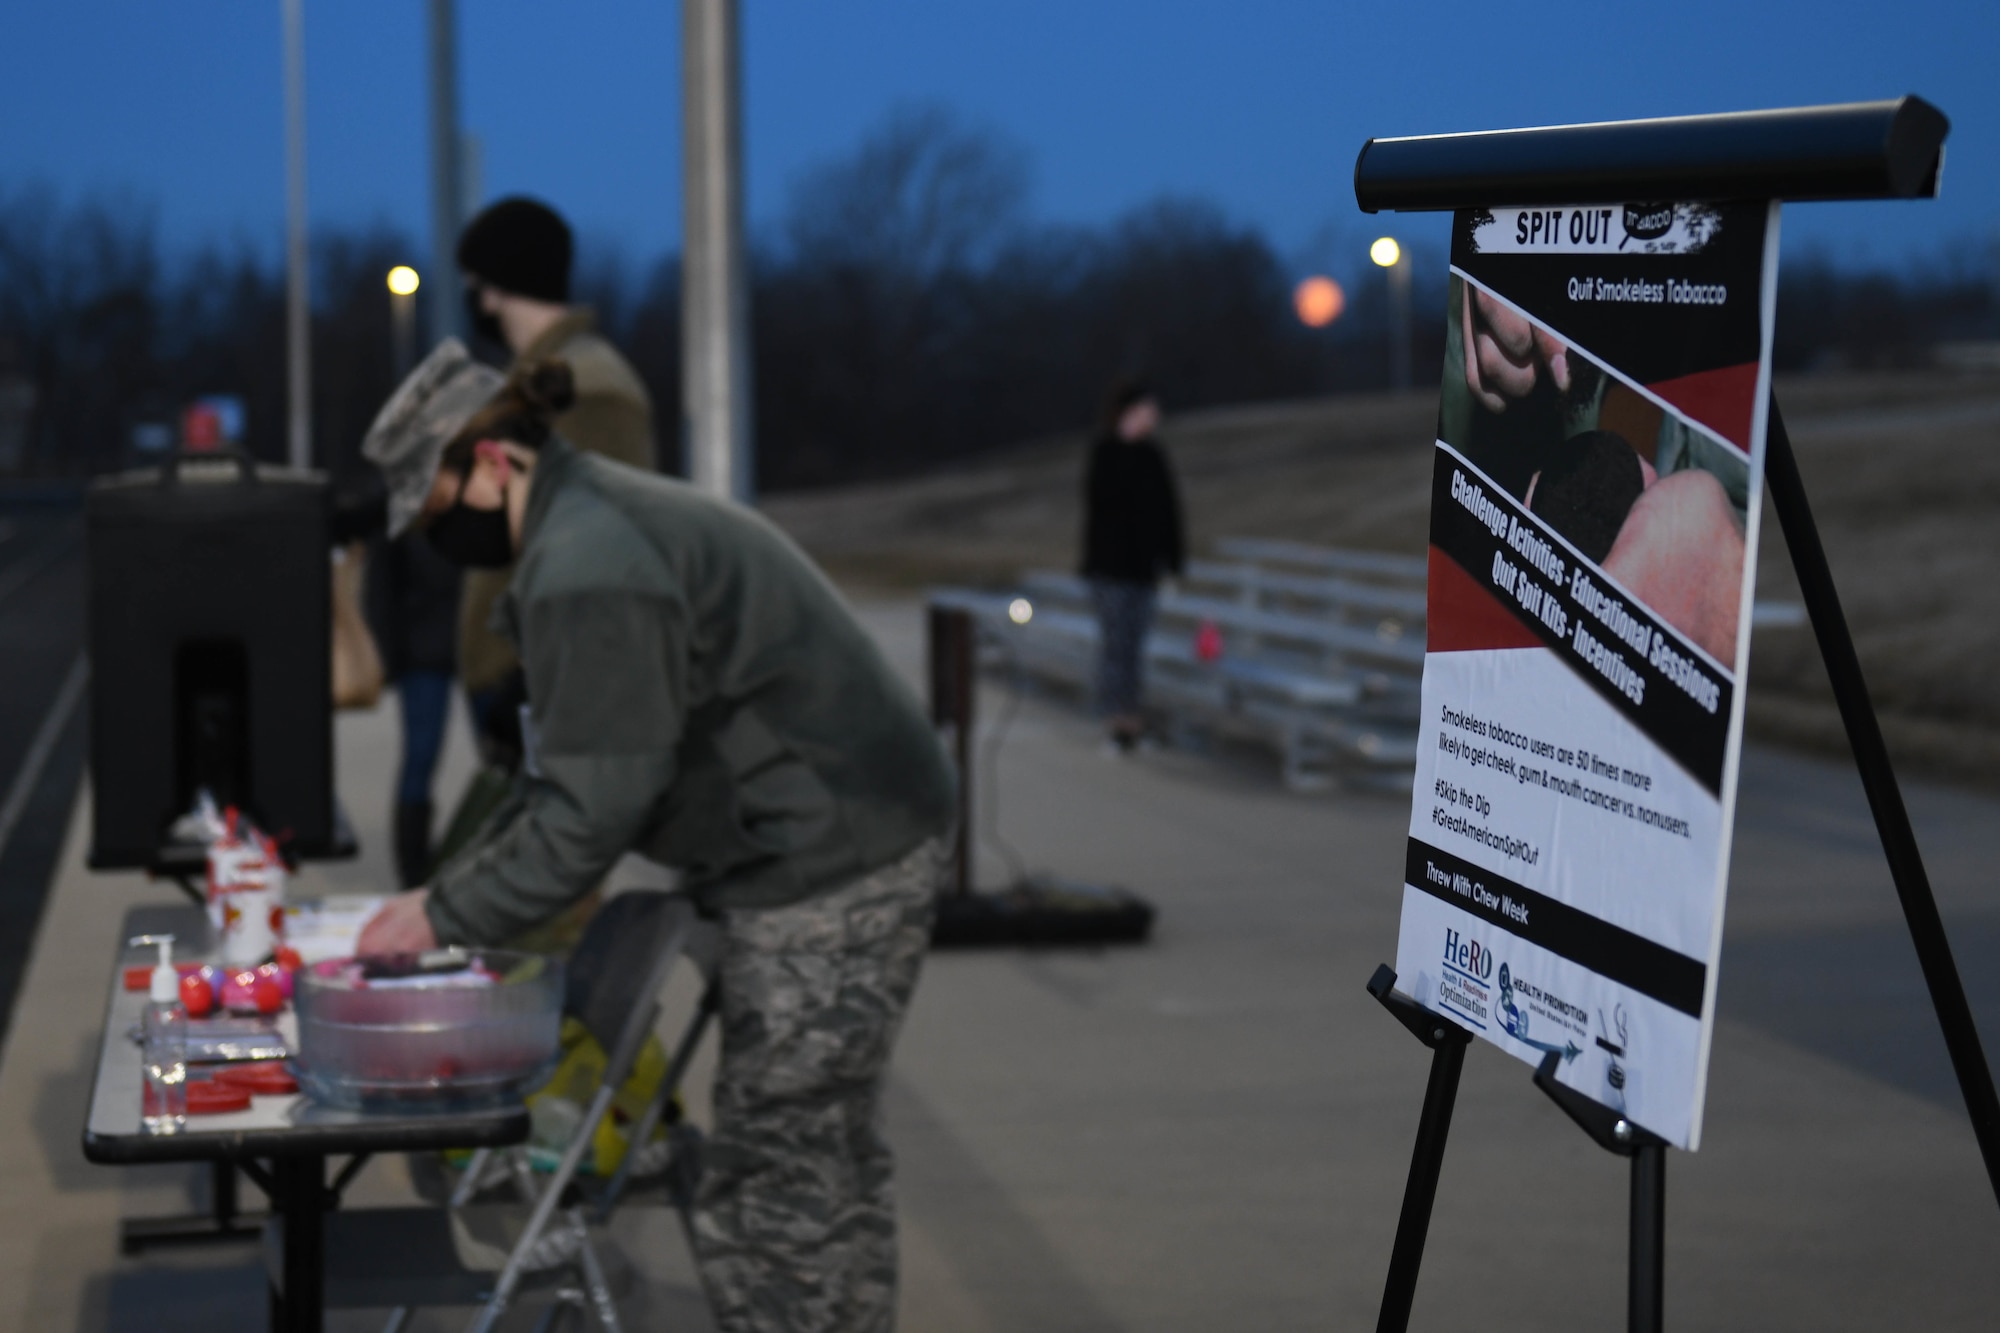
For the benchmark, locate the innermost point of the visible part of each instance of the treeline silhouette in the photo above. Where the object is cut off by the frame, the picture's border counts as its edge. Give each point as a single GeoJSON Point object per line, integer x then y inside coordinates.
{"type": "Point", "coordinates": [907, 311]}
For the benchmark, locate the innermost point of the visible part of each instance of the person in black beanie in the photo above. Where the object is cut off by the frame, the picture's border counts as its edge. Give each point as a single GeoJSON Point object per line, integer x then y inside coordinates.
{"type": "Point", "coordinates": [1131, 537]}
{"type": "Point", "coordinates": [516, 257]}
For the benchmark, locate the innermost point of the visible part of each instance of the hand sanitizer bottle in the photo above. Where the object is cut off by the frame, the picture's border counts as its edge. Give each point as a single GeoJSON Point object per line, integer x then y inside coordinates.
{"type": "Point", "coordinates": [163, 1033]}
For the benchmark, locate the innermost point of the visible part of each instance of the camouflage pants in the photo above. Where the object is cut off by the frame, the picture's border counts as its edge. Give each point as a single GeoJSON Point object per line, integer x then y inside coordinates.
{"type": "Point", "coordinates": [795, 1222]}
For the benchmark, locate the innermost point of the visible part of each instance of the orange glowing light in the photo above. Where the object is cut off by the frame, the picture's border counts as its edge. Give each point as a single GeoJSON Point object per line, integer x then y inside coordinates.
{"type": "Point", "coordinates": [1319, 302]}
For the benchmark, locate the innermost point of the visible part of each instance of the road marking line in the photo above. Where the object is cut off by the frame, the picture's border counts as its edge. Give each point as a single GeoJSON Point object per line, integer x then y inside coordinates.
{"type": "Point", "coordinates": [34, 563]}
{"type": "Point", "coordinates": [43, 746]}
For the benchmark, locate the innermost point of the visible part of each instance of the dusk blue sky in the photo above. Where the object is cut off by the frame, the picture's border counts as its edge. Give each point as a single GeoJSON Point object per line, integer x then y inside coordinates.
{"type": "Point", "coordinates": [1257, 106]}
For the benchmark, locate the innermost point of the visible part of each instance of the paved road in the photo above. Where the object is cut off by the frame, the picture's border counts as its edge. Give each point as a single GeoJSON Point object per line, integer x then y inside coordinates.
{"type": "Point", "coordinates": [1816, 951]}
{"type": "Point", "coordinates": [42, 723]}
{"type": "Point", "coordinates": [1212, 1132]}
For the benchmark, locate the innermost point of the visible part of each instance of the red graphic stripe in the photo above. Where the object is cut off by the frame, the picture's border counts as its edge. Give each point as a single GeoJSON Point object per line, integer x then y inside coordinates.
{"type": "Point", "coordinates": [1723, 400]}
{"type": "Point", "coordinates": [1463, 616]}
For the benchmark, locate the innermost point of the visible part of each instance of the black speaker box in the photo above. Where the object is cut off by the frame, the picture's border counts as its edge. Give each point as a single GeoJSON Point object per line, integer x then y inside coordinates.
{"type": "Point", "coordinates": [210, 650]}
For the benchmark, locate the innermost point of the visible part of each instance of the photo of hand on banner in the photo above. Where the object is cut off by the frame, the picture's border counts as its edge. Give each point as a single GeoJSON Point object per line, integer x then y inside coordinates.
{"type": "Point", "coordinates": [1654, 501]}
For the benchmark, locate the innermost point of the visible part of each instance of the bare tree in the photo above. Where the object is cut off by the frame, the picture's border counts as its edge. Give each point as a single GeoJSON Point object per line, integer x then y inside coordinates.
{"type": "Point", "coordinates": [76, 302]}
{"type": "Point", "coordinates": [909, 312]}
{"type": "Point", "coordinates": [925, 194]}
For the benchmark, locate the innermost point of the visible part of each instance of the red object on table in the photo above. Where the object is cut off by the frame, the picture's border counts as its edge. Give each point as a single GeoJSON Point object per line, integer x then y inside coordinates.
{"type": "Point", "coordinates": [238, 991]}
{"type": "Point", "coordinates": [197, 996]}
{"type": "Point", "coordinates": [216, 1098]}
{"type": "Point", "coordinates": [139, 976]}
{"type": "Point", "coordinates": [266, 1078]}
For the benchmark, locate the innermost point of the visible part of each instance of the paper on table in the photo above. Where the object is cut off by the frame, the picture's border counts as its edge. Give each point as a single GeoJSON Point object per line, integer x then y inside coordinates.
{"type": "Point", "coordinates": [328, 927]}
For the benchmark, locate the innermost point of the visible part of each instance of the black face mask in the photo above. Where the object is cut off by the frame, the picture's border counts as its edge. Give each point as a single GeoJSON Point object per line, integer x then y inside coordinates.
{"type": "Point", "coordinates": [483, 325]}
{"type": "Point", "coordinates": [475, 538]}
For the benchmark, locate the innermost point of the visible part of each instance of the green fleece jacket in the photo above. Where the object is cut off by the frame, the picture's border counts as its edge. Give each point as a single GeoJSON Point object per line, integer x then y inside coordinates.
{"type": "Point", "coordinates": [699, 694]}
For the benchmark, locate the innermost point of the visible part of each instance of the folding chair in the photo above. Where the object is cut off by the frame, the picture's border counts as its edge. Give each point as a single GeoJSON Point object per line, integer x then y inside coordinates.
{"type": "Point", "coordinates": [487, 1255]}
{"type": "Point", "coordinates": [676, 1162]}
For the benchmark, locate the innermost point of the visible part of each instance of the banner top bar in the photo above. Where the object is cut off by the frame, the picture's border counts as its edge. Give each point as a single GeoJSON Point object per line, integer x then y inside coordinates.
{"type": "Point", "coordinates": [1856, 150]}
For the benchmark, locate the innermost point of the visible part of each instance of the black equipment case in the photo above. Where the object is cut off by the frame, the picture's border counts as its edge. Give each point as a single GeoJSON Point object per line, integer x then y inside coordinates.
{"type": "Point", "coordinates": [210, 630]}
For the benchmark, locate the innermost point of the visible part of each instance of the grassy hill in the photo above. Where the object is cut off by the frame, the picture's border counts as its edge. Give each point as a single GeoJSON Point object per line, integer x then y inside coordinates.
{"type": "Point", "coordinates": [1903, 470]}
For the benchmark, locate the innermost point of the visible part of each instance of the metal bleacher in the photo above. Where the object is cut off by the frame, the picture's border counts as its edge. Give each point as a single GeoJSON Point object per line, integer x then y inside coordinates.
{"type": "Point", "coordinates": [1320, 653]}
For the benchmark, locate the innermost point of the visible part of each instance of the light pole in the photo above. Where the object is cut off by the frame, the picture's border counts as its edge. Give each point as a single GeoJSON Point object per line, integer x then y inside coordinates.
{"type": "Point", "coordinates": [1391, 256]}
{"type": "Point", "coordinates": [715, 295]}
{"type": "Point", "coordinates": [447, 185]}
{"type": "Point", "coordinates": [403, 282]}
{"type": "Point", "coordinates": [298, 288]}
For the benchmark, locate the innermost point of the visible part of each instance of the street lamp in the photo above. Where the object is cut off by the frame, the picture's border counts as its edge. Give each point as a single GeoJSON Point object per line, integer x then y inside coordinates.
{"type": "Point", "coordinates": [1318, 301]}
{"type": "Point", "coordinates": [1389, 255]}
{"type": "Point", "coordinates": [403, 283]}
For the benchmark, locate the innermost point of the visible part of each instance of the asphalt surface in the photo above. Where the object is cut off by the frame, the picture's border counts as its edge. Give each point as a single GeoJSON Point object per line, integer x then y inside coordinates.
{"type": "Point", "coordinates": [1213, 1131]}
{"type": "Point", "coordinates": [42, 712]}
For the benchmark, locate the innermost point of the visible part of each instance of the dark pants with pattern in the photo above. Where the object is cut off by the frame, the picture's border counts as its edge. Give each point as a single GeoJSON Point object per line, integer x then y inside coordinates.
{"type": "Point", "coordinates": [1124, 619]}
{"type": "Point", "coordinates": [795, 1219]}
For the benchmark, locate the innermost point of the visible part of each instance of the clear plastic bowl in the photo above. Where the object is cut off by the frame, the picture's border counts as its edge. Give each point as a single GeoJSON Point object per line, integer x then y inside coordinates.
{"type": "Point", "coordinates": [367, 1047]}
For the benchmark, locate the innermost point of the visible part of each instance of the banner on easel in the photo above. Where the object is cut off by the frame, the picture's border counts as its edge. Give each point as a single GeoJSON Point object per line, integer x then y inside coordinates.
{"type": "Point", "coordinates": [1594, 516]}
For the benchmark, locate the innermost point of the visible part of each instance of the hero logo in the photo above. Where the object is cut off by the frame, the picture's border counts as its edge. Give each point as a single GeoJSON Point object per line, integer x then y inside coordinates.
{"type": "Point", "coordinates": [1468, 956]}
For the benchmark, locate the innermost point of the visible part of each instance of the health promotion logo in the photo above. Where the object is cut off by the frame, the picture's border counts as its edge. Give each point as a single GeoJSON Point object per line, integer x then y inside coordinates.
{"type": "Point", "coordinates": [1515, 1023]}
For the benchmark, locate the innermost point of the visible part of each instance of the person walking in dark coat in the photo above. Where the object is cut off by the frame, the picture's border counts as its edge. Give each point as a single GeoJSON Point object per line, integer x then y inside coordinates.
{"type": "Point", "coordinates": [1131, 538]}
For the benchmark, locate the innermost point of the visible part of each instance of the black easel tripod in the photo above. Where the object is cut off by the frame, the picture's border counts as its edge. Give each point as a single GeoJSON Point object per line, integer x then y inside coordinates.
{"type": "Point", "coordinates": [1867, 150]}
